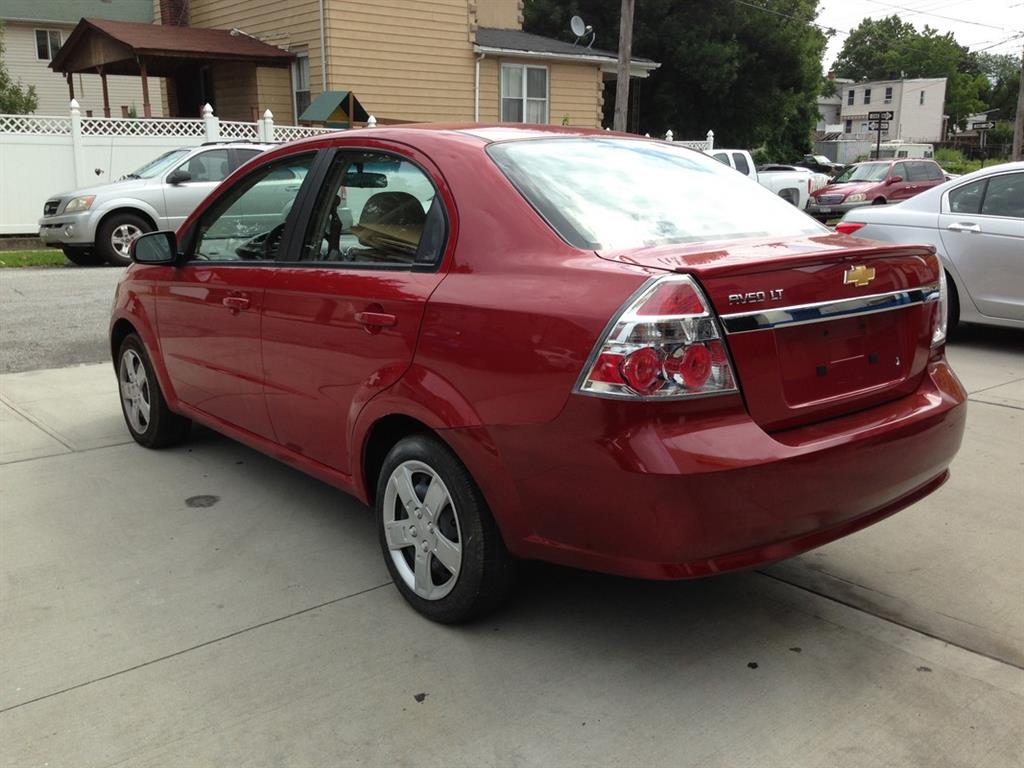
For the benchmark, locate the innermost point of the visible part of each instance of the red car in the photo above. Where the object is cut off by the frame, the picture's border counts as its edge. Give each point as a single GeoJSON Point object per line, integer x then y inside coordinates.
{"type": "Point", "coordinates": [874, 183]}
{"type": "Point", "coordinates": [532, 343]}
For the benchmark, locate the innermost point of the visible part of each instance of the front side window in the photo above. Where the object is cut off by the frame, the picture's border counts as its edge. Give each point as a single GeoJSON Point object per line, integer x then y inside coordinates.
{"type": "Point", "coordinates": [300, 83]}
{"type": "Point", "coordinates": [524, 94]}
{"type": "Point", "coordinates": [247, 223]}
{"type": "Point", "coordinates": [376, 210]}
{"type": "Point", "coordinates": [213, 165]}
{"type": "Point", "coordinates": [1005, 196]}
{"type": "Point", "coordinates": [155, 167]}
{"type": "Point", "coordinates": [47, 43]}
{"type": "Point", "coordinates": [609, 193]}
{"type": "Point", "coordinates": [900, 169]}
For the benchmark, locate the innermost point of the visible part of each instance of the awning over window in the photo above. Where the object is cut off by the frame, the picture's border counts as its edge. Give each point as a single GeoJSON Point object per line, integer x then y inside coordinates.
{"type": "Point", "coordinates": [332, 107]}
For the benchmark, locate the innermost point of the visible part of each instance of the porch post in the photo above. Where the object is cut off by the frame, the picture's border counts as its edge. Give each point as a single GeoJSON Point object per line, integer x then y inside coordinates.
{"type": "Point", "coordinates": [71, 86]}
{"type": "Point", "coordinates": [106, 96]}
{"type": "Point", "coordinates": [146, 110]}
{"type": "Point", "coordinates": [351, 110]}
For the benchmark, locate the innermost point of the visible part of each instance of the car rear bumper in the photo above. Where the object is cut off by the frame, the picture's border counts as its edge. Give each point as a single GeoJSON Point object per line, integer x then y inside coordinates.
{"type": "Point", "coordinates": [623, 489]}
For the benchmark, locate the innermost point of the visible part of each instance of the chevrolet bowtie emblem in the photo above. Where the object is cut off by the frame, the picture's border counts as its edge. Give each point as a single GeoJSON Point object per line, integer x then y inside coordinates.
{"type": "Point", "coordinates": [859, 275]}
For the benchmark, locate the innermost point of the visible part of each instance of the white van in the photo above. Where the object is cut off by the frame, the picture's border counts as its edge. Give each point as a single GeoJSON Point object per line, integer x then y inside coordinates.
{"type": "Point", "coordinates": [901, 149]}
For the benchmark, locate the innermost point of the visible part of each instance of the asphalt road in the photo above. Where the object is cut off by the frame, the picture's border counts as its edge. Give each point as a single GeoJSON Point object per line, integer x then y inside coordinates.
{"type": "Point", "coordinates": [54, 317]}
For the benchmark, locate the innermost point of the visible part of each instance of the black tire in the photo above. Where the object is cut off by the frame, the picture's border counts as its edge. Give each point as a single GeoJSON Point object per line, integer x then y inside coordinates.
{"type": "Point", "coordinates": [486, 573]}
{"type": "Point", "coordinates": [83, 257]}
{"type": "Point", "coordinates": [953, 305]}
{"type": "Point", "coordinates": [162, 427]}
{"type": "Point", "coordinates": [878, 201]}
{"type": "Point", "coordinates": [105, 236]}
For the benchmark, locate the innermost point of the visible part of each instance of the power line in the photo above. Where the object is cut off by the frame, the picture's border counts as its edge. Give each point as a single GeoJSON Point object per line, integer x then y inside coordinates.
{"type": "Point", "coordinates": [831, 30]}
{"type": "Point", "coordinates": [939, 15]}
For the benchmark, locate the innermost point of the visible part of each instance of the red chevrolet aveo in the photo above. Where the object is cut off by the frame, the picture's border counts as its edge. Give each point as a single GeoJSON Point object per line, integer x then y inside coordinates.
{"type": "Point", "coordinates": [582, 347]}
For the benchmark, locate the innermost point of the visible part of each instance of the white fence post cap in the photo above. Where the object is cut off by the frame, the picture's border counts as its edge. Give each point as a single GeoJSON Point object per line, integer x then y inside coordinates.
{"type": "Point", "coordinates": [371, 121]}
{"type": "Point", "coordinates": [668, 135]}
{"type": "Point", "coordinates": [207, 110]}
{"type": "Point", "coordinates": [268, 115]}
{"type": "Point", "coordinates": [74, 105]}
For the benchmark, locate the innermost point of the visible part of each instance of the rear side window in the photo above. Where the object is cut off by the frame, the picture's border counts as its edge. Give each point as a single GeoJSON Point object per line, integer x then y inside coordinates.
{"type": "Point", "coordinates": [208, 166]}
{"type": "Point", "coordinates": [932, 172]}
{"type": "Point", "coordinates": [967, 199]}
{"type": "Point", "coordinates": [611, 193]}
{"type": "Point", "coordinates": [376, 210]}
{"type": "Point", "coordinates": [741, 163]}
{"type": "Point", "coordinates": [1005, 196]}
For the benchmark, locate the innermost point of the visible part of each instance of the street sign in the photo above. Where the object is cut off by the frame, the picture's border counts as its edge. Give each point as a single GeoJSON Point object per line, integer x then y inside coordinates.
{"type": "Point", "coordinates": [879, 125]}
{"type": "Point", "coordinates": [885, 115]}
{"type": "Point", "coordinates": [982, 126]}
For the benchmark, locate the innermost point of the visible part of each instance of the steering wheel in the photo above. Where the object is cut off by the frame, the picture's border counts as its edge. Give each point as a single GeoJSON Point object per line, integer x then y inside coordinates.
{"type": "Point", "coordinates": [263, 247]}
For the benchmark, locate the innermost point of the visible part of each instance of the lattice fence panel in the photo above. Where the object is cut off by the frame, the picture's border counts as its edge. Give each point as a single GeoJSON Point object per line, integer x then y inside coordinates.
{"type": "Point", "coordinates": [230, 129]}
{"type": "Point", "coordinates": [701, 146]}
{"type": "Point", "coordinates": [127, 126]}
{"type": "Point", "coordinates": [293, 132]}
{"type": "Point", "coordinates": [34, 124]}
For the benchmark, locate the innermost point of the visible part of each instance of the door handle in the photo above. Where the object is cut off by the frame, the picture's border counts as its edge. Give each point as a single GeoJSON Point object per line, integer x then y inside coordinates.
{"type": "Point", "coordinates": [235, 303]}
{"type": "Point", "coordinates": [376, 319]}
{"type": "Point", "coordinates": [964, 226]}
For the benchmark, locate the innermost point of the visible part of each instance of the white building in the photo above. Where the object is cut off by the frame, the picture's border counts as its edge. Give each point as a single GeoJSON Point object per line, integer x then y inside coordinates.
{"type": "Point", "coordinates": [33, 32]}
{"type": "Point", "coordinates": [830, 108]}
{"type": "Point", "coordinates": [916, 105]}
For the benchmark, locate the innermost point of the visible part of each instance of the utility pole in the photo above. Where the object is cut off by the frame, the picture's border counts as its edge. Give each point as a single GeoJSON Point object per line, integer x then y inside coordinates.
{"type": "Point", "coordinates": [625, 56]}
{"type": "Point", "coordinates": [1018, 125]}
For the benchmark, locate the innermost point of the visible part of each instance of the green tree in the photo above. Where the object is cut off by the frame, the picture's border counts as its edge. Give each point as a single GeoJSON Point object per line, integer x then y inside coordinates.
{"type": "Point", "coordinates": [750, 75]}
{"type": "Point", "coordinates": [14, 98]}
{"type": "Point", "coordinates": [1003, 75]}
{"type": "Point", "coordinates": [891, 49]}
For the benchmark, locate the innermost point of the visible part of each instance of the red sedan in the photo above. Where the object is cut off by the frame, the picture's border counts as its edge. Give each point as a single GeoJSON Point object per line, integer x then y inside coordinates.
{"type": "Point", "coordinates": [531, 343]}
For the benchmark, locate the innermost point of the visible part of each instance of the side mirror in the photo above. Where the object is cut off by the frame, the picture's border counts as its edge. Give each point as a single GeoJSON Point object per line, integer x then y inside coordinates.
{"type": "Point", "coordinates": [179, 176]}
{"type": "Point", "coordinates": [894, 180]}
{"type": "Point", "coordinates": [155, 248]}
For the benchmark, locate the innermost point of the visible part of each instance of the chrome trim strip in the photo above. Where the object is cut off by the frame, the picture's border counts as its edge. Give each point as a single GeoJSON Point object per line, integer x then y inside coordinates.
{"type": "Point", "coordinates": [762, 319]}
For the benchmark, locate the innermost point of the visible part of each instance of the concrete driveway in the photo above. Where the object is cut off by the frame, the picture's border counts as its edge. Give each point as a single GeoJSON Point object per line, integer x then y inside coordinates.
{"type": "Point", "coordinates": [207, 605]}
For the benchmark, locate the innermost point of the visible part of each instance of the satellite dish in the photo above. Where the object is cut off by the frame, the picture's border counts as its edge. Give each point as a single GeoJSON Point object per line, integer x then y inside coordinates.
{"type": "Point", "coordinates": [578, 27]}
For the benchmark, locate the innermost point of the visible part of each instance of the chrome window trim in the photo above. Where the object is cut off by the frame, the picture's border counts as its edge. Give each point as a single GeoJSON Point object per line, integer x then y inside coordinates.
{"type": "Point", "coordinates": [801, 314]}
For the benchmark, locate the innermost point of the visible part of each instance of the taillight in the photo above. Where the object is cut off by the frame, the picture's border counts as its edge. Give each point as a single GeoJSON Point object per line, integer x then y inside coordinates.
{"type": "Point", "coordinates": [665, 343]}
{"type": "Point", "coordinates": [941, 312]}
{"type": "Point", "coordinates": [848, 227]}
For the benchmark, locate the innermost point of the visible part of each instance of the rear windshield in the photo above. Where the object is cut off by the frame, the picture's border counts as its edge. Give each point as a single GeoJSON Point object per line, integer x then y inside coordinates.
{"type": "Point", "coordinates": [610, 194]}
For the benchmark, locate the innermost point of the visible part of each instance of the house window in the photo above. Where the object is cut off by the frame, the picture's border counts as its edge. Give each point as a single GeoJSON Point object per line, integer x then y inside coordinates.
{"type": "Point", "coordinates": [47, 43]}
{"type": "Point", "coordinates": [867, 95]}
{"type": "Point", "coordinates": [921, 100]}
{"type": "Point", "coordinates": [888, 95]}
{"type": "Point", "coordinates": [849, 97]}
{"type": "Point", "coordinates": [524, 94]}
{"type": "Point", "coordinates": [300, 82]}
{"type": "Point", "coordinates": [849, 126]}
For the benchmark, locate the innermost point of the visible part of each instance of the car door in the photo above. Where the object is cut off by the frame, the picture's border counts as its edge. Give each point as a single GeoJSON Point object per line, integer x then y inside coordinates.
{"type": "Point", "coordinates": [208, 308]}
{"type": "Point", "coordinates": [982, 231]}
{"type": "Point", "coordinates": [341, 323]}
{"type": "Point", "coordinates": [205, 171]}
{"type": "Point", "coordinates": [902, 189]}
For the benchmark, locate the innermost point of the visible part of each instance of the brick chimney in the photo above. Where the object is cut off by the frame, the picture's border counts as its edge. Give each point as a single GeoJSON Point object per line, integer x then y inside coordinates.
{"type": "Point", "coordinates": [174, 13]}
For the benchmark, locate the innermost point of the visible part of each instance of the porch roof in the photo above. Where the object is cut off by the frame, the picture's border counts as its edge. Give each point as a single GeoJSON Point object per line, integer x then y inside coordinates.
{"type": "Point", "coordinates": [117, 46]}
{"type": "Point", "coordinates": [516, 43]}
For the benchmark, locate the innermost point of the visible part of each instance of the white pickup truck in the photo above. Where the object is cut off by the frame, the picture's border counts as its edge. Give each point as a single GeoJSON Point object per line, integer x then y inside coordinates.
{"type": "Point", "coordinates": [793, 186]}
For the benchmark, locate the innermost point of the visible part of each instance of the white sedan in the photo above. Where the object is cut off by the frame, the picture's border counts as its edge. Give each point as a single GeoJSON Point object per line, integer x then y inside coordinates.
{"type": "Point", "coordinates": [976, 223]}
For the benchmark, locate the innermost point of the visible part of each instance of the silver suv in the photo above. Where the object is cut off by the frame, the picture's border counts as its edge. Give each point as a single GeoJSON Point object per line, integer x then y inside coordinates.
{"type": "Point", "coordinates": [97, 224]}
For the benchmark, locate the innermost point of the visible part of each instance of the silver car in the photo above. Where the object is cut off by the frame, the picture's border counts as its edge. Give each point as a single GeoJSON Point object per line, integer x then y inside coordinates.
{"type": "Point", "coordinates": [976, 223]}
{"type": "Point", "coordinates": [97, 224]}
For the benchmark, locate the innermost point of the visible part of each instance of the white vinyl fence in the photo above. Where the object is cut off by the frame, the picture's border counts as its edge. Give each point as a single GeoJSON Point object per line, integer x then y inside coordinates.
{"type": "Point", "coordinates": [702, 145]}
{"type": "Point", "coordinates": [42, 156]}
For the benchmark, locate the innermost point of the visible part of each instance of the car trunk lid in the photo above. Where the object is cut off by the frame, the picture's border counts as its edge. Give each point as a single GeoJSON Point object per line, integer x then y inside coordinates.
{"type": "Point", "coordinates": [817, 327]}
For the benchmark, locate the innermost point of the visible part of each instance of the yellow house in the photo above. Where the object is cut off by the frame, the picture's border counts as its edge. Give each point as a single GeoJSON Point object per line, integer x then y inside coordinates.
{"type": "Point", "coordinates": [405, 60]}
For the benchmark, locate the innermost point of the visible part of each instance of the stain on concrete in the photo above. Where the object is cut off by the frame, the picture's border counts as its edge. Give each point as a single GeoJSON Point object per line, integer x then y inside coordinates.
{"type": "Point", "coordinates": [796, 649]}
{"type": "Point", "coordinates": [420, 697]}
{"type": "Point", "coordinates": [752, 664]}
{"type": "Point", "coordinates": [201, 502]}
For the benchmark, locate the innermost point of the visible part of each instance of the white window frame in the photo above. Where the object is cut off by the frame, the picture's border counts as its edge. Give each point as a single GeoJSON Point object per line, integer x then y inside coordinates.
{"type": "Point", "coordinates": [49, 42]}
{"type": "Point", "coordinates": [851, 97]}
{"type": "Point", "coordinates": [523, 98]}
{"type": "Point", "coordinates": [888, 95]}
{"type": "Point", "coordinates": [867, 95]}
{"type": "Point", "coordinates": [299, 55]}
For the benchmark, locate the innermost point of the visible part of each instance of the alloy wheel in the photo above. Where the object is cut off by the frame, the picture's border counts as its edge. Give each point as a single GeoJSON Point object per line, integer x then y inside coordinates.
{"type": "Point", "coordinates": [135, 393]}
{"type": "Point", "coordinates": [122, 236]}
{"type": "Point", "coordinates": [421, 527]}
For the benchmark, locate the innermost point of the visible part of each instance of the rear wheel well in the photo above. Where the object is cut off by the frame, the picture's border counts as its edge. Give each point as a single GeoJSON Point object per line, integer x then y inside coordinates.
{"type": "Point", "coordinates": [122, 328]}
{"type": "Point", "coordinates": [878, 201]}
{"type": "Point", "coordinates": [382, 437]}
{"type": "Point", "coordinates": [791, 196]}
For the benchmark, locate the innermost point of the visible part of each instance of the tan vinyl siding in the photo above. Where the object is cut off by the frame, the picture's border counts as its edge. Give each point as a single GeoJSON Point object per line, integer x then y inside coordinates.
{"type": "Point", "coordinates": [234, 86]}
{"type": "Point", "coordinates": [51, 87]}
{"type": "Point", "coordinates": [404, 60]}
{"type": "Point", "coordinates": [289, 24]}
{"type": "Point", "coordinates": [503, 14]}
{"type": "Point", "coordinates": [574, 91]}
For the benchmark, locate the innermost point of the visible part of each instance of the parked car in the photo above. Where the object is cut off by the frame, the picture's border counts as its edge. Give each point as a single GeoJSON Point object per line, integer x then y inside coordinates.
{"type": "Point", "coordinates": [817, 180]}
{"type": "Point", "coordinates": [874, 183]}
{"type": "Point", "coordinates": [821, 164]}
{"type": "Point", "coordinates": [976, 225]}
{"type": "Point", "coordinates": [98, 224]}
{"type": "Point", "coordinates": [519, 342]}
{"type": "Point", "coordinates": [793, 187]}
